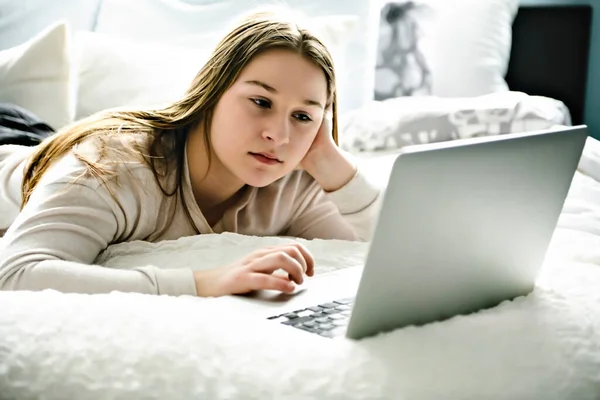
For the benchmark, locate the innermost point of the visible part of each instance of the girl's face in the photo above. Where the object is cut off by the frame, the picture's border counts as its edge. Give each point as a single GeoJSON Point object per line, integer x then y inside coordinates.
{"type": "Point", "coordinates": [264, 124]}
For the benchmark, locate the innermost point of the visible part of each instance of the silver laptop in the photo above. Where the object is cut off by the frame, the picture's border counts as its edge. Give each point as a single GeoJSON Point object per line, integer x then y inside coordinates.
{"type": "Point", "coordinates": [463, 226]}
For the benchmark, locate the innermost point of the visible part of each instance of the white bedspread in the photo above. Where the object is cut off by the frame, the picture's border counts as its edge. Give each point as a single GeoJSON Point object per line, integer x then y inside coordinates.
{"type": "Point", "coordinates": [122, 346]}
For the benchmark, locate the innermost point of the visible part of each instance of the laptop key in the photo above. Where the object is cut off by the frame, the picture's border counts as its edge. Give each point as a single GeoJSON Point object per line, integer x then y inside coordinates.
{"type": "Point", "coordinates": [303, 313]}
{"type": "Point", "coordinates": [326, 327]}
{"type": "Point", "coordinates": [314, 308]}
{"type": "Point", "coordinates": [296, 321]}
{"type": "Point", "coordinates": [307, 329]}
{"type": "Point", "coordinates": [331, 311]}
{"type": "Point", "coordinates": [290, 315]}
{"type": "Point", "coordinates": [309, 324]}
{"type": "Point", "coordinates": [323, 320]}
{"type": "Point", "coordinates": [349, 300]}
{"type": "Point", "coordinates": [328, 305]}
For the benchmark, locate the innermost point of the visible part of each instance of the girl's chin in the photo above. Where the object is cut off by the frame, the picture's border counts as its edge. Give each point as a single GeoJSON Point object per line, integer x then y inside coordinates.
{"type": "Point", "coordinates": [263, 179]}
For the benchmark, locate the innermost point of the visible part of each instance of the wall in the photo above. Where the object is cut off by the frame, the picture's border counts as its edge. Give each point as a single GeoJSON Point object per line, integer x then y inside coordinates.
{"type": "Point", "coordinates": [592, 109]}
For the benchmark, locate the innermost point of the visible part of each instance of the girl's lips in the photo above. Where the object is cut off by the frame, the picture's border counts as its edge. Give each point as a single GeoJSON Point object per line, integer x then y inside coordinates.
{"type": "Point", "coordinates": [265, 159]}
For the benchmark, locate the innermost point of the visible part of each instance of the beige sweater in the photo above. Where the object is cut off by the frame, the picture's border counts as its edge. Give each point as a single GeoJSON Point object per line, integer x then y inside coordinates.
{"type": "Point", "coordinates": [54, 241]}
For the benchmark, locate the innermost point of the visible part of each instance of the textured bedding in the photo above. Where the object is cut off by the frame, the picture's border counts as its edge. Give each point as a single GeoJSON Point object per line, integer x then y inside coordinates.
{"type": "Point", "coordinates": [122, 346]}
{"type": "Point", "coordinates": [397, 122]}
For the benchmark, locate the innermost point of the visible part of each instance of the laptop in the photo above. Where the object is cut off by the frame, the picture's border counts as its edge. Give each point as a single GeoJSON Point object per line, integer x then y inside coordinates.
{"type": "Point", "coordinates": [463, 226]}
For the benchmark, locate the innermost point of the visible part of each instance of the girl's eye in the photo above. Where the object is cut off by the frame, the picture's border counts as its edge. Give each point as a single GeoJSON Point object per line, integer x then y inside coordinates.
{"type": "Point", "coordinates": [303, 118]}
{"type": "Point", "coordinates": [261, 103]}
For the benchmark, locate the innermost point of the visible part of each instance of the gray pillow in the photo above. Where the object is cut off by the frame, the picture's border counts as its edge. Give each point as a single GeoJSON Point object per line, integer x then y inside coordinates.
{"type": "Point", "coordinates": [398, 122]}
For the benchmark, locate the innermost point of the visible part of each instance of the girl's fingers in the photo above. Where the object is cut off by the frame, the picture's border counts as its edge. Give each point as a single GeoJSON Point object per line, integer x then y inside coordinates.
{"type": "Point", "coordinates": [279, 260]}
{"type": "Point", "coordinates": [260, 281]}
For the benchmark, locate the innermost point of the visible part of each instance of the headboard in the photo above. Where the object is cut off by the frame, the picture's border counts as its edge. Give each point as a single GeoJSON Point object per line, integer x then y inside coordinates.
{"type": "Point", "coordinates": [550, 54]}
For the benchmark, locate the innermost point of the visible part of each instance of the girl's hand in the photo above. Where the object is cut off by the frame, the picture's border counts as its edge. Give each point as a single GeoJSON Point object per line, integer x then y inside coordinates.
{"type": "Point", "coordinates": [256, 271]}
{"type": "Point", "coordinates": [325, 161]}
{"type": "Point", "coordinates": [323, 142]}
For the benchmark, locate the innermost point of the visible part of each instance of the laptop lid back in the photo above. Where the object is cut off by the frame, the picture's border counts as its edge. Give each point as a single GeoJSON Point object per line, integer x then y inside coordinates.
{"type": "Point", "coordinates": [463, 226]}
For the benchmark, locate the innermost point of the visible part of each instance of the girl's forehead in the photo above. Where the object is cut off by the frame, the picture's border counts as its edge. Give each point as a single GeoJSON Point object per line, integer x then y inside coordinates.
{"type": "Point", "coordinates": [282, 69]}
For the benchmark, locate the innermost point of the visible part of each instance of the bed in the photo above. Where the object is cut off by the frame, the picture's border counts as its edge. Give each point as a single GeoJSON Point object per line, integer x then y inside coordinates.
{"type": "Point", "coordinates": [134, 346]}
{"type": "Point", "coordinates": [121, 346]}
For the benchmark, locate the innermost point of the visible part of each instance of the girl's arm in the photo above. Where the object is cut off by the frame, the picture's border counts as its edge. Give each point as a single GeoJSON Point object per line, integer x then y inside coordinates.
{"type": "Point", "coordinates": [348, 213]}
{"type": "Point", "coordinates": [348, 191]}
{"type": "Point", "coordinates": [53, 242]}
{"type": "Point", "coordinates": [358, 201]}
{"type": "Point", "coordinates": [355, 197]}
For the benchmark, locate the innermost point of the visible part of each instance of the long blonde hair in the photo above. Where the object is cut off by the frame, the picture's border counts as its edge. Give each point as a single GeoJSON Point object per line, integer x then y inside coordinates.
{"type": "Point", "coordinates": [167, 128]}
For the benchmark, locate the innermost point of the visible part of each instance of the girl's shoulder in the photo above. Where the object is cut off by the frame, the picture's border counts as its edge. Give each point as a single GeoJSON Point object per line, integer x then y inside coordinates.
{"type": "Point", "coordinates": [99, 160]}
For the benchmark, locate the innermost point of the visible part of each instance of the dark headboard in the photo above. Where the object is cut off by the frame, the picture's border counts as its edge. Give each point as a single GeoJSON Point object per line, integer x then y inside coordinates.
{"type": "Point", "coordinates": [550, 53]}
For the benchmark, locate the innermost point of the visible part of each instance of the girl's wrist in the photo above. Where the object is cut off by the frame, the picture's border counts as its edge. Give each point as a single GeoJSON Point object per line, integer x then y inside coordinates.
{"type": "Point", "coordinates": [331, 168]}
{"type": "Point", "coordinates": [205, 286]}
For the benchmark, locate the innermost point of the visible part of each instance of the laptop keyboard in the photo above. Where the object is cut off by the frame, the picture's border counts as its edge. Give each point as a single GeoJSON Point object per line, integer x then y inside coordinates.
{"type": "Point", "coordinates": [327, 319]}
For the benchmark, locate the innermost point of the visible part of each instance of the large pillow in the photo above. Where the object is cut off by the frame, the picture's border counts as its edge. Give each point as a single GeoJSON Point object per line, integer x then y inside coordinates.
{"type": "Point", "coordinates": [20, 20]}
{"type": "Point", "coordinates": [404, 121]}
{"type": "Point", "coordinates": [163, 20]}
{"type": "Point", "coordinates": [116, 71]}
{"type": "Point", "coordinates": [471, 46]}
{"type": "Point", "coordinates": [36, 75]}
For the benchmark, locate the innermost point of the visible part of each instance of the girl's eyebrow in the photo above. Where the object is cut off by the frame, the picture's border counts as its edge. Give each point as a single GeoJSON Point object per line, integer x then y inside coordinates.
{"type": "Point", "coordinates": [271, 89]}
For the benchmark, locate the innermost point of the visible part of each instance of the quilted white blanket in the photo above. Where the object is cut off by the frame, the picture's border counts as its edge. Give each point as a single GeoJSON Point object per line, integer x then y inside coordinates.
{"type": "Point", "coordinates": [123, 346]}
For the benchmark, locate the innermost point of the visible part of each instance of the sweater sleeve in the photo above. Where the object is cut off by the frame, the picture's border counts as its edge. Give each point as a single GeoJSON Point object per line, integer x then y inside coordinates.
{"type": "Point", "coordinates": [54, 241]}
{"type": "Point", "coordinates": [358, 202]}
{"type": "Point", "coordinates": [11, 174]}
{"type": "Point", "coordinates": [348, 213]}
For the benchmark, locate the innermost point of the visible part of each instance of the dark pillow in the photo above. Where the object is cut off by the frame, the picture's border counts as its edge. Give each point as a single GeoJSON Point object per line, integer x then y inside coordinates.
{"type": "Point", "coordinates": [22, 127]}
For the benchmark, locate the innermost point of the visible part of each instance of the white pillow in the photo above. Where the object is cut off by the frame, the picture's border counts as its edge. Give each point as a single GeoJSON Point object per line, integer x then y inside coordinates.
{"type": "Point", "coordinates": [20, 20]}
{"type": "Point", "coordinates": [164, 20]}
{"type": "Point", "coordinates": [471, 46]}
{"type": "Point", "coordinates": [36, 76]}
{"type": "Point", "coordinates": [116, 71]}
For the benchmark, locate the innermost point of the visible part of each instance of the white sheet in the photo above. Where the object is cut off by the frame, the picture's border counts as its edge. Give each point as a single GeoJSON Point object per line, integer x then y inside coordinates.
{"type": "Point", "coordinates": [543, 346]}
